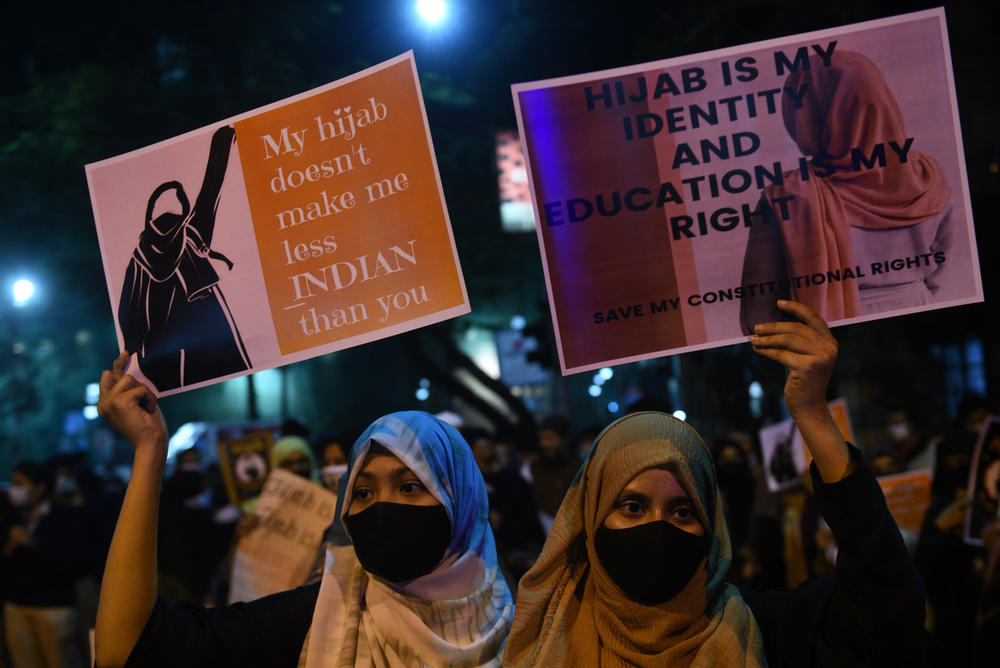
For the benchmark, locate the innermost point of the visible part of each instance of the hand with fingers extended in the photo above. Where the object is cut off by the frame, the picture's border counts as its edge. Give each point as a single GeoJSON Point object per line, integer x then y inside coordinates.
{"type": "Point", "coordinates": [809, 352]}
{"type": "Point", "coordinates": [130, 407]}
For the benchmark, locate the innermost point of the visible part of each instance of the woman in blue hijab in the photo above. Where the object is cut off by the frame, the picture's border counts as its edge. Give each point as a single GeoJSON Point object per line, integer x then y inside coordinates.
{"type": "Point", "coordinates": [410, 574]}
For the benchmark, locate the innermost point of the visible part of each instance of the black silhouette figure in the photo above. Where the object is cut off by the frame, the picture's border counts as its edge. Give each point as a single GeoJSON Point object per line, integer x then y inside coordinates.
{"type": "Point", "coordinates": [782, 462]}
{"type": "Point", "coordinates": [172, 312]}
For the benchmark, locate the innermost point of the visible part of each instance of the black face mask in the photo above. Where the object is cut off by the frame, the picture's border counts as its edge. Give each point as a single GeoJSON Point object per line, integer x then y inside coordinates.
{"type": "Point", "coordinates": [399, 541]}
{"type": "Point", "coordinates": [650, 562]}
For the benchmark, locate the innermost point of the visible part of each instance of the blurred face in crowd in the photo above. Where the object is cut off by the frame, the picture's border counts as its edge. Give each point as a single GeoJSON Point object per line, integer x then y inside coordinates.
{"type": "Point", "coordinates": [729, 454]}
{"type": "Point", "coordinates": [333, 455]}
{"type": "Point", "coordinates": [884, 465]}
{"type": "Point", "coordinates": [550, 443]}
{"type": "Point", "coordinates": [899, 425]}
{"type": "Point", "coordinates": [64, 485]}
{"type": "Point", "coordinates": [975, 418]}
{"type": "Point", "coordinates": [189, 460]}
{"type": "Point", "coordinates": [651, 496]}
{"type": "Point", "coordinates": [482, 450]}
{"type": "Point", "coordinates": [298, 464]}
{"type": "Point", "coordinates": [23, 490]}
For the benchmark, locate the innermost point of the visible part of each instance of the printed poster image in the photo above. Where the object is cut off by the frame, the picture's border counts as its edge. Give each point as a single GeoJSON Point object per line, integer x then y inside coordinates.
{"type": "Point", "coordinates": [678, 200]}
{"type": "Point", "coordinates": [783, 450]}
{"type": "Point", "coordinates": [245, 462]}
{"type": "Point", "coordinates": [311, 225]}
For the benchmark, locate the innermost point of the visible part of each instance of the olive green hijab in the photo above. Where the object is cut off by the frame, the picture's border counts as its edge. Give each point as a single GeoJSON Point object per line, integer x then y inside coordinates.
{"type": "Point", "coordinates": [570, 612]}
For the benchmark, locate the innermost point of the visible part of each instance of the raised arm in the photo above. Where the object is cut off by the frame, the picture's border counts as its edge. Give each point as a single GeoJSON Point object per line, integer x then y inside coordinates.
{"type": "Point", "coordinates": [128, 590]}
{"type": "Point", "coordinates": [203, 213]}
{"type": "Point", "coordinates": [871, 610]}
{"type": "Point", "coordinates": [809, 351]}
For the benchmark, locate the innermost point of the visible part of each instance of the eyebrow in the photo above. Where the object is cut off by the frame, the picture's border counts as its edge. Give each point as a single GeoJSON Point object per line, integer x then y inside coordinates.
{"type": "Point", "coordinates": [633, 494]}
{"type": "Point", "coordinates": [395, 472]}
{"type": "Point", "coordinates": [626, 494]}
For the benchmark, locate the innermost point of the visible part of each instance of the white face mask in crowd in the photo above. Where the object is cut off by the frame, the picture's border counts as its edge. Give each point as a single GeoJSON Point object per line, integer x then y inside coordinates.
{"type": "Point", "coordinates": [18, 495]}
{"type": "Point", "coordinates": [899, 431]}
{"type": "Point", "coordinates": [331, 474]}
{"type": "Point", "coordinates": [65, 486]}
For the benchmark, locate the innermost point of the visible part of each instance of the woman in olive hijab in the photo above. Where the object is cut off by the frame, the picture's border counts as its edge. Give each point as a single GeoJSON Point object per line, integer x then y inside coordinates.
{"type": "Point", "coordinates": [633, 572]}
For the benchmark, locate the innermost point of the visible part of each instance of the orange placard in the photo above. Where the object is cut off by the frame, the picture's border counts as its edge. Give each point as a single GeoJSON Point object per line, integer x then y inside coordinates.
{"type": "Point", "coordinates": [350, 225]}
{"type": "Point", "coordinates": [908, 496]}
{"type": "Point", "coordinates": [307, 226]}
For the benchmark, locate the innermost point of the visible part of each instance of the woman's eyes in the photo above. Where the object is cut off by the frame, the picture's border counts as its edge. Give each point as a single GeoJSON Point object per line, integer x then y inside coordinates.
{"type": "Point", "coordinates": [408, 488]}
{"type": "Point", "coordinates": [631, 507]}
{"type": "Point", "coordinates": [684, 513]}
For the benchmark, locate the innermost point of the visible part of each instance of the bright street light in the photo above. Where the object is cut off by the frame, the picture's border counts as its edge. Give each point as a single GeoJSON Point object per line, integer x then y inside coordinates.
{"type": "Point", "coordinates": [432, 12]}
{"type": "Point", "coordinates": [23, 291]}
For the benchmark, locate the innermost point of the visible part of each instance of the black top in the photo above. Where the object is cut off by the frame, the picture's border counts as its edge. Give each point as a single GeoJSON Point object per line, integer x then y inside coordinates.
{"type": "Point", "coordinates": [871, 612]}
{"type": "Point", "coordinates": [266, 633]}
{"type": "Point", "coordinates": [43, 572]}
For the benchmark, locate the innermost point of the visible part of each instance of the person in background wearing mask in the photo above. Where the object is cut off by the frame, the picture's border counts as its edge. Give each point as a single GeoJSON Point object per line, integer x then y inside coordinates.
{"type": "Point", "coordinates": [910, 441]}
{"type": "Point", "coordinates": [333, 462]}
{"type": "Point", "coordinates": [634, 570]}
{"type": "Point", "coordinates": [41, 556]}
{"type": "Point", "coordinates": [410, 573]}
{"type": "Point", "coordinates": [293, 454]}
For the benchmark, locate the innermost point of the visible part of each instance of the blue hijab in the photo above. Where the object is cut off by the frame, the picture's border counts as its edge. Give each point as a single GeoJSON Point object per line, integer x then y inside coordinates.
{"type": "Point", "coordinates": [460, 612]}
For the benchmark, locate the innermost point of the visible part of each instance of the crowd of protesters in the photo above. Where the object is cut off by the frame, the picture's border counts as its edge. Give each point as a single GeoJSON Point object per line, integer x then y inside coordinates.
{"type": "Point", "coordinates": [57, 518]}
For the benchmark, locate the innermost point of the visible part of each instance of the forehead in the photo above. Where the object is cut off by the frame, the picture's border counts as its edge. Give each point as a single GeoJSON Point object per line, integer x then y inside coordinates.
{"type": "Point", "coordinates": [656, 482]}
{"type": "Point", "coordinates": [379, 462]}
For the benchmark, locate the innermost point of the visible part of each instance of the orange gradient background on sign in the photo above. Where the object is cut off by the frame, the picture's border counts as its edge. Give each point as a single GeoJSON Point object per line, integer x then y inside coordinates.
{"type": "Point", "coordinates": [398, 144]}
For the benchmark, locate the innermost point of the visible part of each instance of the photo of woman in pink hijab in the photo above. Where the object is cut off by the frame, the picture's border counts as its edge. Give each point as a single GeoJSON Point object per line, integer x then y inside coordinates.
{"type": "Point", "coordinates": [876, 237]}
